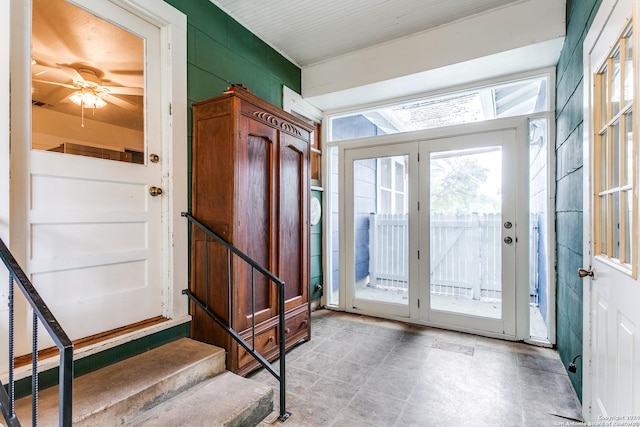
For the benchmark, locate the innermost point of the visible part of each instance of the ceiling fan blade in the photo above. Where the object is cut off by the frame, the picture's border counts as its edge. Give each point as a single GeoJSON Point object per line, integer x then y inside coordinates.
{"type": "Point", "coordinates": [120, 102]}
{"type": "Point", "coordinates": [56, 83]}
{"type": "Point", "coordinates": [71, 72]}
{"type": "Point", "coordinates": [123, 90]}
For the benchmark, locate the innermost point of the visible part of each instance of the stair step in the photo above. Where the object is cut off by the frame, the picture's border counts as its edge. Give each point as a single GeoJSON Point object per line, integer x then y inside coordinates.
{"type": "Point", "coordinates": [116, 394]}
{"type": "Point", "coordinates": [226, 400]}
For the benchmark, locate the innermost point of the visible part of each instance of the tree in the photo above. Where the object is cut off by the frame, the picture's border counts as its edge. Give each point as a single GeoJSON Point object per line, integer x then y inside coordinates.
{"type": "Point", "coordinates": [459, 184]}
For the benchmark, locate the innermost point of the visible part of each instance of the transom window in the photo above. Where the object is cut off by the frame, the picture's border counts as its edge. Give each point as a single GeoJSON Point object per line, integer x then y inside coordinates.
{"type": "Point", "coordinates": [615, 233]}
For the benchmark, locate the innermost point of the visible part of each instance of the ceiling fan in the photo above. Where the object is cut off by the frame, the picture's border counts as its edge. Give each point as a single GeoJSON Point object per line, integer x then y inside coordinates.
{"type": "Point", "coordinates": [89, 91]}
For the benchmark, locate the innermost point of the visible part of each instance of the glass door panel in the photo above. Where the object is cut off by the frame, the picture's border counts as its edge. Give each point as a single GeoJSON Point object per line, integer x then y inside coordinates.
{"type": "Point", "coordinates": [381, 223]}
{"type": "Point", "coordinates": [469, 231]}
{"type": "Point", "coordinates": [378, 213]}
{"type": "Point", "coordinates": [465, 231]}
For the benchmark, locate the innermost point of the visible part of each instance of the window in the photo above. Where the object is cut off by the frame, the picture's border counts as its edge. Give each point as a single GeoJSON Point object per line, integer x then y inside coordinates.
{"type": "Point", "coordinates": [615, 226]}
{"type": "Point", "coordinates": [506, 99]}
{"type": "Point", "coordinates": [392, 184]}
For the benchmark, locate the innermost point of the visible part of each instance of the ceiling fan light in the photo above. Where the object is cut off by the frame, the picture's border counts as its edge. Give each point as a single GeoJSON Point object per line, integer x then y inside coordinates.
{"type": "Point", "coordinates": [87, 99]}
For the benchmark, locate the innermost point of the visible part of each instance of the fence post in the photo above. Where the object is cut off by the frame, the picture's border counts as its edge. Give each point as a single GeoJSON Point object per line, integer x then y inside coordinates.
{"type": "Point", "coordinates": [373, 249]}
{"type": "Point", "coordinates": [476, 256]}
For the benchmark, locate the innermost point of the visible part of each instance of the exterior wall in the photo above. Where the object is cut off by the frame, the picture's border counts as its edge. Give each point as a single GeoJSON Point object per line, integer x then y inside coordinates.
{"type": "Point", "coordinates": [569, 174]}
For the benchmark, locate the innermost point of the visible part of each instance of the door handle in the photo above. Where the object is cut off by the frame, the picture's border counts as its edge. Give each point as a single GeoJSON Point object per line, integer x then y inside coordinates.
{"type": "Point", "coordinates": [155, 191]}
{"type": "Point", "coordinates": [584, 273]}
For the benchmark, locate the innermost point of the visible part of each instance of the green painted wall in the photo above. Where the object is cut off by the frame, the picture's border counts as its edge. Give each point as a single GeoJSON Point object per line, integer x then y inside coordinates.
{"type": "Point", "coordinates": [316, 253]}
{"type": "Point", "coordinates": [221, 52]}
{"type": "Point", "coordinates": [569, 173]}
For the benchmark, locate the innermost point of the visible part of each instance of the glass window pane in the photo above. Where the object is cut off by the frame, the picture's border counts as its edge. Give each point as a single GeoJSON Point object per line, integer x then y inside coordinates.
{"type": "Point", "coordinates": [385, 201]}
{"type": "Point", "coordinates": [628, 214]}
{"type": "Point", "coordinates": [615, 83]}
{"type": "Point", "coordinates": [603, 163]}
{"type": "Point", "coordinates": [628, 71]}
{"type": "Point", "coordinates": [466, 225]}
{"type": "Point", "coordinates": [603, 224]}
{"type": "Point", "coordinates": [399, 177]}
{"type": "Point", "coordinates": [73, 111]}
{"type": "Point", "coordinates": [604, 97]}
{"type": "Point", "coordinates": [400, 204]}
{"type": "Point", "coordinates": [615, 221]}
{"type": "Point", "coordinates": [385, 172]}
{"type": "Point", "coordinates": [615, 155]}
{"type": "Point", "coordinates": [629, 148]}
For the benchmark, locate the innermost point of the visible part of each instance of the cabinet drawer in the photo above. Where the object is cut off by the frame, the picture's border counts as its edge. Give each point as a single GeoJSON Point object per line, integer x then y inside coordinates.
{"type": "Point", "coordinates": [297, 326]}
{"type": "Point", "coordinates": [266, 342]}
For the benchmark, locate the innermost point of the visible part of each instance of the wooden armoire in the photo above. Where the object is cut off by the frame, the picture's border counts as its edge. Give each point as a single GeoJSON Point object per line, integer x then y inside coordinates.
{"type": "Point", "coordinates": [251, 186]}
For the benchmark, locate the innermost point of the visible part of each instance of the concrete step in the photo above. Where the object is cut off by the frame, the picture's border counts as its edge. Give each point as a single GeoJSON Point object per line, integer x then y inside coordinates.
{"type": "Point", "coordinates": [118, 393]}
{"type": "Point", "coordinates": [226, 400]}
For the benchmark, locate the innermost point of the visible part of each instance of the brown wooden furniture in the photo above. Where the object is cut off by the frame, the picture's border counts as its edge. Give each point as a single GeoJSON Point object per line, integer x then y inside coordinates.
{"type": "Point", "coordinates": [251, 186]}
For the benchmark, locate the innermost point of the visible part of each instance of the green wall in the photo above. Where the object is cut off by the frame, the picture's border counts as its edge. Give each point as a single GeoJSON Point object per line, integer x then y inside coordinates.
{"type": "Point", "coordinates": [316, 253]}
{"type": "Point", "coordinates": [221, 52]}
{"type": "Point", "coordinates": [569, 173]}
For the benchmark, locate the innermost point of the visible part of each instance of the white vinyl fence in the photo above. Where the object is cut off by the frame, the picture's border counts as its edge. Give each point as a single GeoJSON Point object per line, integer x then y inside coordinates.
{"type": "Point", "coordinates": [465, 253]}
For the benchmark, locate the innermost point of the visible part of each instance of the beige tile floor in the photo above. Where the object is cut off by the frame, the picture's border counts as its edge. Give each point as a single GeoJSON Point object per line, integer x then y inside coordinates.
{"type": "Point", "coordinates": [362, 371]}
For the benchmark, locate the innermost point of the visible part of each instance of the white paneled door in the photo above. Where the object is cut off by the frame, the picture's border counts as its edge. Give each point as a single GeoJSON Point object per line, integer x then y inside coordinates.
{"type": "Point", "coordinates": [611, 365]}
{"type": "Point", "coordinates": [94, 230]}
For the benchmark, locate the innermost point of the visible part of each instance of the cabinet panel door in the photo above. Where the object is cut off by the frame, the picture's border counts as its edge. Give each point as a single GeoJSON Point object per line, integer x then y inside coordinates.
{"type": "Point", "coordinates": [255, 216]}
{"type": "Point", "coordinates": [293, 219]}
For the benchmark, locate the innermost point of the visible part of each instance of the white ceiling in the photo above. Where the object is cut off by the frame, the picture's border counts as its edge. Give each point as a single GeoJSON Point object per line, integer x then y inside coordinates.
{"type": "Point", "coordinates": [311, 31]}
{"type": "Point", "coordinates": [360, 52]}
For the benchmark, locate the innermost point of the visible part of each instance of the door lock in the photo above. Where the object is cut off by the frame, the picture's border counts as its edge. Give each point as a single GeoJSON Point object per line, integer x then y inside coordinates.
{"type": "Point", "coordinates": [508, 225]}
{"type": "Point", "coordinates": [508, 240]}
{"type": "Point", "coordinates": [154, 158]}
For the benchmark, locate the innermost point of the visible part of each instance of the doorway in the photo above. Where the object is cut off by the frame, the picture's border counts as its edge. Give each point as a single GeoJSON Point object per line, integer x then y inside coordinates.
{"type": "Point", "coordinates": [433, 231]}
{"type": "Point", "coordinates": [96, 240]}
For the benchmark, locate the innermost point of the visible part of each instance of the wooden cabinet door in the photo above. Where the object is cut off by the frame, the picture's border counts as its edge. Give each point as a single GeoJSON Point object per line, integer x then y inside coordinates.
{"type": "Point", "coordinates": [293, 219]}
{"type": "Point", "coordinates": [255, 220]}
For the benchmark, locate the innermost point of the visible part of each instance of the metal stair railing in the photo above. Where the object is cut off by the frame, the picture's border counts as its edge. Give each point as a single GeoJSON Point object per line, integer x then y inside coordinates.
{"type": "Point", "coordinates": [40, 313]}
{"type": "Point", "coordinates": [249, 347]}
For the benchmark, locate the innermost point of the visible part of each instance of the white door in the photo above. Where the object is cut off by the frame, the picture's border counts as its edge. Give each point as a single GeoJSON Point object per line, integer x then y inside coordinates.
{"type": "Point", "coordinates": [432, 231]}
{"type": "Point", "coordinates": [470, 231]}
{"type": "Point", "coordinates": [93, 231]}
{"type": "Point", "coordinates": [611, 373]}
{"type": "Point", "coordinates": [381, 208]}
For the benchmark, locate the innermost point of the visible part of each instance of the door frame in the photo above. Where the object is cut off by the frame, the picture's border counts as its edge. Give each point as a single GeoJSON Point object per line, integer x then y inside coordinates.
{"type": "Point", "coordinates": [520, 124]}
{"type": "Point", "coordinates": [173, 26]}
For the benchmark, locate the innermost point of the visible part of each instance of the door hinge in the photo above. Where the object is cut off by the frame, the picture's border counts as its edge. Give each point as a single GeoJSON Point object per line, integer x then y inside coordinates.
{"type": "Point", "coordinates": [170, 110]}
{"type": "Point", "coordinates": [418, 254]}
{"type": "Point", "coordinates": [418, 302]}
{"type": "Point", "coordinates": [418, 205]}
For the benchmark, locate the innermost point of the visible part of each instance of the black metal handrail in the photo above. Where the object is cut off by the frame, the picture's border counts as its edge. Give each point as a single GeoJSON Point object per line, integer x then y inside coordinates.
{"type": "Point", "coordinates": [65, 346]}
{"type": "Point", "coordinates": [250, 348]}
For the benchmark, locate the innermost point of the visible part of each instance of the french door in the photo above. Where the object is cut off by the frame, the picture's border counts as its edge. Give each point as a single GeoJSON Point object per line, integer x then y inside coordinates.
{"type": "Point", "coordinates": [431, 231]}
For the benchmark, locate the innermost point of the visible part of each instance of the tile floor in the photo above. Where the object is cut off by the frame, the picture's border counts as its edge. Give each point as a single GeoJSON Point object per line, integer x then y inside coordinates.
{"type": "Point", "coordinates": [362, 371]}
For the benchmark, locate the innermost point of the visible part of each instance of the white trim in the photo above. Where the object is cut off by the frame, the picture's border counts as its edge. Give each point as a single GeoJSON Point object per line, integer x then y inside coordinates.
{"type": "Point", "coordinates": [293, 102]}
